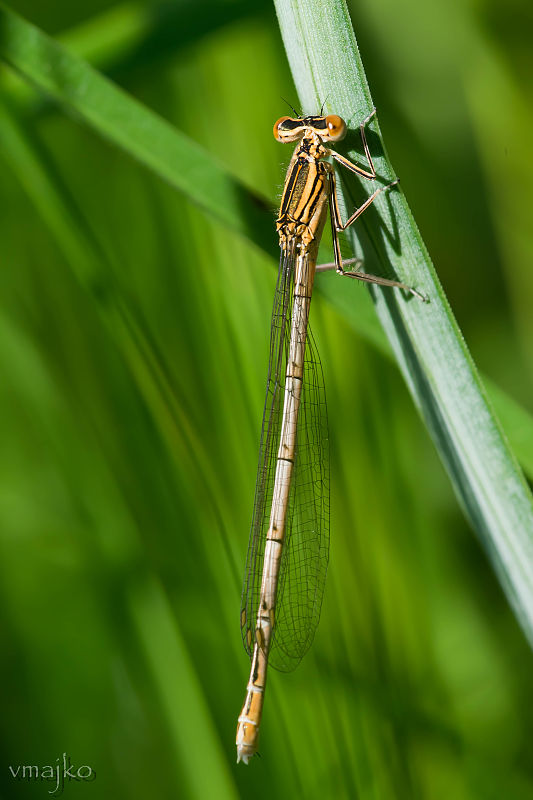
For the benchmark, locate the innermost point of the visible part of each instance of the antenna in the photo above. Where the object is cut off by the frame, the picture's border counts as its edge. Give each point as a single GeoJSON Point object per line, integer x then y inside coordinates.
{"type": "Point", "coordinates": [299, 115]}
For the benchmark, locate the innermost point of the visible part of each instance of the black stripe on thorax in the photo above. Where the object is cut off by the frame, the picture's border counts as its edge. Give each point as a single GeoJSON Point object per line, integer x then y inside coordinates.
{"type": "Point", "coordinates": [313, 195]}
{"type": "Point", "coordinates": [290, 185]}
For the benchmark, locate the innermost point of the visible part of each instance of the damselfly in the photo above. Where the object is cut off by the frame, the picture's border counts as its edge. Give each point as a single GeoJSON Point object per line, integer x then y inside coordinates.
{"type": "Point", "coordinates": [289, 539]}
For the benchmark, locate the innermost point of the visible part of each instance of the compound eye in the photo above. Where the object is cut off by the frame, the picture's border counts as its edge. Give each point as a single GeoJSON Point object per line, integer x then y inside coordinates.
{"type": "Point", "coordinates": [336, 127]}
{"type": "Point", "coordinates": [278, 129]}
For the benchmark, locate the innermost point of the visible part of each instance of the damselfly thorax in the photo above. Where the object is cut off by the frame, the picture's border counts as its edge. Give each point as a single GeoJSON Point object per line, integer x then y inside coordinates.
{"type": "Point", "coordinates": [304, 202]}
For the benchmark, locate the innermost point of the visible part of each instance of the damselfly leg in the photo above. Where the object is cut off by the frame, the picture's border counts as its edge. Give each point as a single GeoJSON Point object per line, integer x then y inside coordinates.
{"type": "Point", "coordinates": [338, 225]}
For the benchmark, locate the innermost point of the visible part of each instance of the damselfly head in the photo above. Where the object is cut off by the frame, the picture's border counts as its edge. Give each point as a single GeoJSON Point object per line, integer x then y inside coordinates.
{"type": "Point", "coordinates": [330, 129]}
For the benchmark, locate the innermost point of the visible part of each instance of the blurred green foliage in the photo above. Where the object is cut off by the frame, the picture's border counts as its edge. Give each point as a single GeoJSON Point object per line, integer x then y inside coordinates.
{"type": "Point", "coordinates": [129, 440]}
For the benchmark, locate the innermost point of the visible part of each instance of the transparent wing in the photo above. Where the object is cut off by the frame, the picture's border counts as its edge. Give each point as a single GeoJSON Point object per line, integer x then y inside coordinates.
{"type": "Point", "coordinates": [306, 547]}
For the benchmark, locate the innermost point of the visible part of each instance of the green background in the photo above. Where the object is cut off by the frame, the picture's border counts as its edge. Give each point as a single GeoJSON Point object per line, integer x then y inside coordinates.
{"type": "Point", "coordinates": [129, 449]}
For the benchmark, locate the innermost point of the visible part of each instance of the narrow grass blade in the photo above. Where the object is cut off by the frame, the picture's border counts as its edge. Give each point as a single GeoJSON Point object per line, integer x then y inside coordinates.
{"type": "Point", "coordinates": [197, 746]}
{"type": "Point", "coordinates": [428, 345]}
{"type": "Point", "coordinates": [130, 125]}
